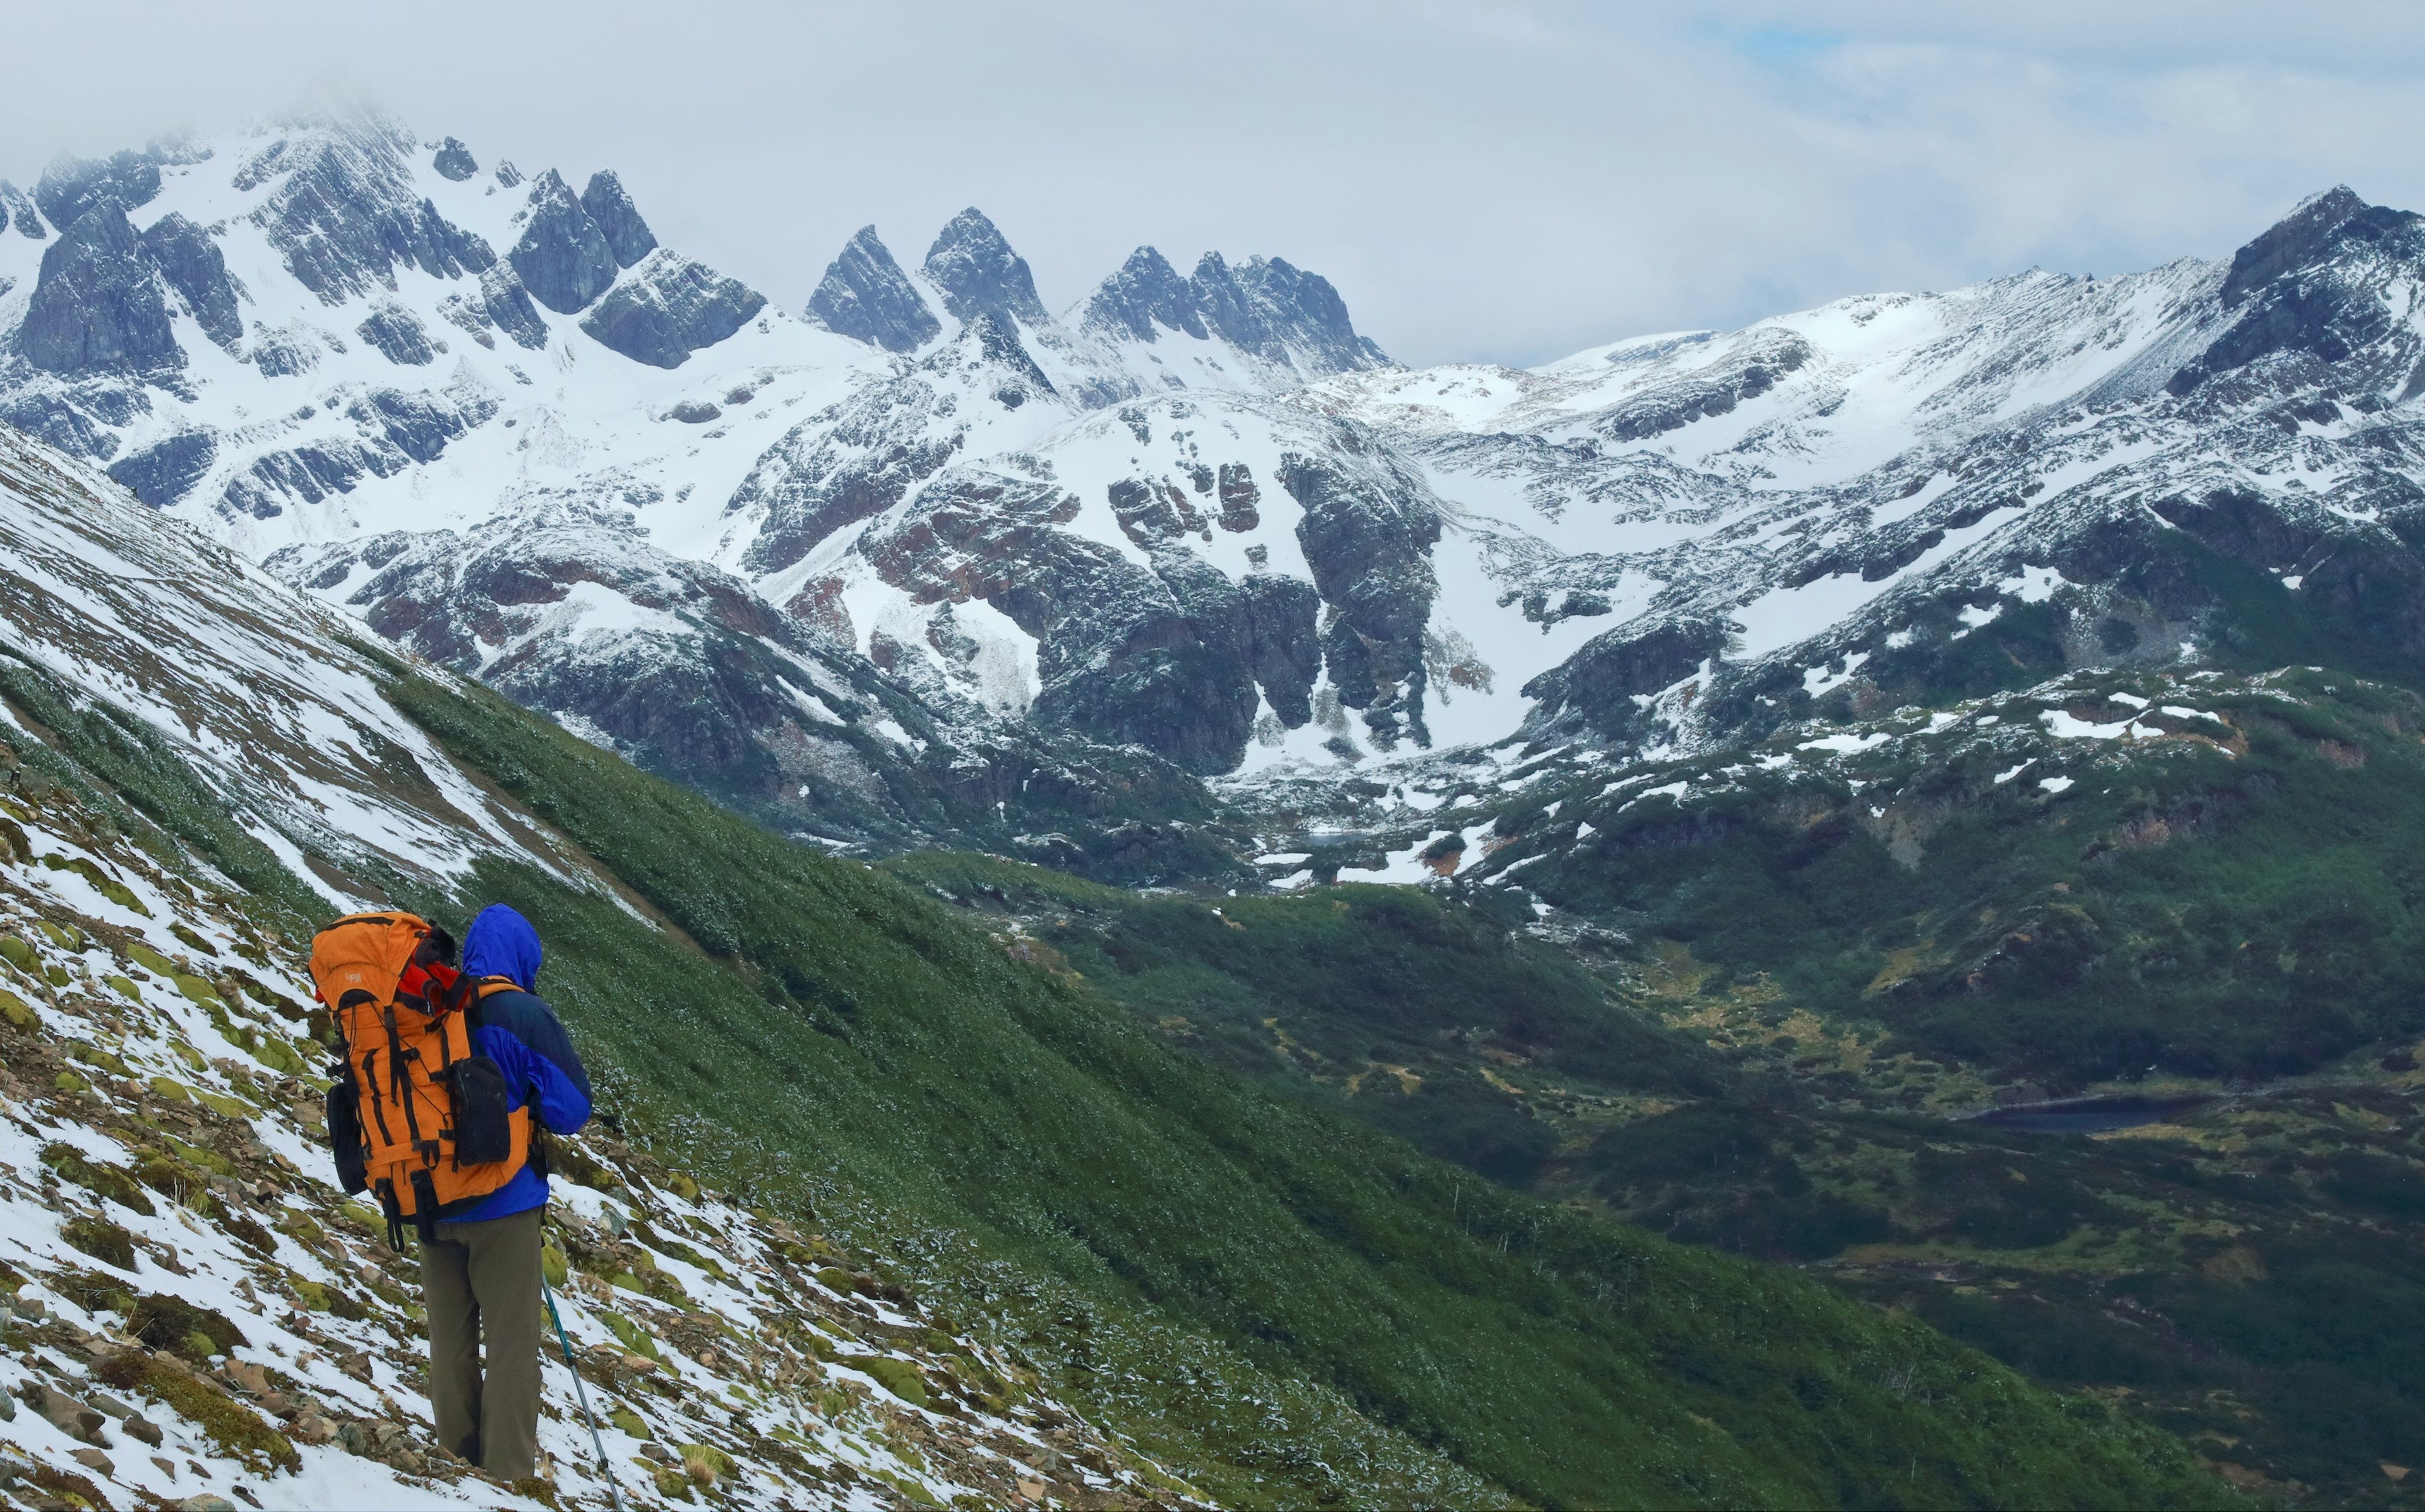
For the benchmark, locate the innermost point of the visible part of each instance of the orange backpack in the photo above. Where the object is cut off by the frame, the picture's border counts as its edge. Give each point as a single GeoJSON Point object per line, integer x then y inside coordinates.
{"type": "Point", "coordinates": [416, 1117]}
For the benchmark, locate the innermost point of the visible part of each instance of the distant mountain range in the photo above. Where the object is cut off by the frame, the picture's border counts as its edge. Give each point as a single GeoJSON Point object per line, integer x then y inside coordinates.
{"type": "Point", "coordinates": [926, 561]}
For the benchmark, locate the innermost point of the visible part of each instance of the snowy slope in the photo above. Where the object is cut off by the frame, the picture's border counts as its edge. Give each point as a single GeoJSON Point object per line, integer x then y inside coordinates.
{"type": "Point", "coordinates": [191, 1309]}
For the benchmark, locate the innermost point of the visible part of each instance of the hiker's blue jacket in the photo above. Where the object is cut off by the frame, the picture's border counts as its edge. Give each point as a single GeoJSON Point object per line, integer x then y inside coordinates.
{"type": "Point", "coordinates": [531, 1079]}
{"type": "Point", "coordinates": [521, 1033]}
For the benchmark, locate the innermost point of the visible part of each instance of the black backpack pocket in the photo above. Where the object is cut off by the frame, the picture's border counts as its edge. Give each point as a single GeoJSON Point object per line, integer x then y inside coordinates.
{"type": "Point", "coordinates": [346, 1136]}
{"type": "Point", "coordinates": [483, 1132]}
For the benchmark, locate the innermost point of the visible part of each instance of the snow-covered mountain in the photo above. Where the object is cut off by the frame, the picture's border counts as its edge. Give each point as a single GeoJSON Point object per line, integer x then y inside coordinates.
{"type": "Point", "coordinates": [876, 569]}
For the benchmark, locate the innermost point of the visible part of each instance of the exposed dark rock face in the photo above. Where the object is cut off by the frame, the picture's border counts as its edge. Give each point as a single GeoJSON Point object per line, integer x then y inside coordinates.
{"type": "Point", "coordinates": [1367, 532]}
{"type": "Point", "coordinates": [617, 218]}
{"type": "Point", "coordinates": [563, 258]}
{"type": "Point", "coordinates": [979, 274]}
{"type": "Point", "coordinates": [51, 419]}
{"type": "Point", "coordinates": [1239, 496]}
{"type": "Point", "coordinates": [997, 342]}
{"type": "Point", "coordinates": [418, 424]}
{"type": "Point", "coordinates": [454, 161]}
{"type": "Point", "coordinates": [508, 176]}
{"type": "Point", "coordinates": [1598, 684]}
{"type": "Point", "coordinates": [345, 217]}
{"type": "Point", "coordinates": [393, 430]}
{"type": "Point", "coordinates": [714, 688]}
{"type": "Point", "coordinates": [865, 297]}
{"type": "Point", "coordinates": [1278, 313]}
{"type": "Point", "coordinates": [509, 305]}
{"type": "Point", "coordinates": [166, 471]}
{"type": "Point", "coordinates": [73, 185]}
{"type": "Point", "coordinates": [1154, 658]}
{"type": "Point", "coordinates": [399, 336]}
{"type": "Point", "coordinates": [668, 308]}
{"type": "Point", "coordinates": [1284, 646]}
{"type": "Point", "coordinates": [17, 209]}
{"type": "Point", "coordinates": [1748, 371]}
{"type": "Point", "coordinates": [1146, 290]}
{"type": "Point", "coordinates": [190, 260]}
{"type": "Point", "coordinates": [282, 354]}
{"type": "Point", "coordinates": [307, 473]}
{"type": "Point", "coordinates": [846, 463]}
{"type": "Point", "coordinates": [98, 305]}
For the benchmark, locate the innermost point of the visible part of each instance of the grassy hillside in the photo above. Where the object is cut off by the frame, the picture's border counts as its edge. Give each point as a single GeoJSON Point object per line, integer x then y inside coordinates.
{"type": "Point", "coordinates": [1776, 974]}
{"type": "Point", "coordinates": [1290, 1307]}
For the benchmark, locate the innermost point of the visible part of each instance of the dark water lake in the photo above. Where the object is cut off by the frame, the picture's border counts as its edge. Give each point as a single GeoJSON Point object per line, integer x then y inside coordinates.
{"type": "Point", "coordinates": [2086, 1114]}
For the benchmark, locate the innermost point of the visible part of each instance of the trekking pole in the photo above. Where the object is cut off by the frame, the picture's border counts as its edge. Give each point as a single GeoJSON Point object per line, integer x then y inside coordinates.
{"type": "Point", "coordinates": [614, 1493]}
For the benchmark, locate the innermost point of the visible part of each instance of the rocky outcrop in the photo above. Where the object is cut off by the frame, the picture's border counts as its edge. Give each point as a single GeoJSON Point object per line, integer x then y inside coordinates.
{"type": "Point", "coordinates": [563, 258]}
{"type": "Point", "coordinates": [345, 217]}
{"type": "Point", "coordinates": [1742, 371]}
{"type": "Point", "coordinates": [392, 429]}
{"type": "Point", "coordinates": [453, 160]}
{"type": "Point", "coordinates": [417, 423]}
{"type": "Point", "coordinates": [49, 418]}
{"type": "Point", "coordinates": [865, 297]}
{"type": "Point", "coordinates": [1156, 659]}
{"type": "Point", "coordinates": [979, 274]}
{"type": "Point", "coordinates": [669, 306]}
{"type": "Point", "coordinates": [1367, 534]}
{"type": "Point", "coordinates": [72, 186]}
{"type": "Point", "coordinates": [846, 463]}
{"type": "Point", "coordinates": [617, 219]}
{"type": "Point", "coordinates": [398, 335]}
{"type": "Point", "coordinates": [1283, 314]}
{"type": "Point", "coordinates": [166, 471]}
{"type": "Point", "coordinates": [1598, 688]}
{"type": "Point", "coordinates": [191, 262]}
{"type": "Point", "coordinates": [17, 209]}
{"type": "Point", "coordinates": [507, 303]}
{"type": "Point", "coordinates": [98, 305]}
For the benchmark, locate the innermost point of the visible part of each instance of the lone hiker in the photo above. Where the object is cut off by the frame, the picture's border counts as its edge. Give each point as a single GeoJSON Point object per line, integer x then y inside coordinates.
{"type": "Point", "coordinates": [425, 1068]}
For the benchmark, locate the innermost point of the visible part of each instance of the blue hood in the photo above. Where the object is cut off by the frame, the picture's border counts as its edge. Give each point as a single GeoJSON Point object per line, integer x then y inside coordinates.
{"type": "Point", "coordinates": [501, 943]}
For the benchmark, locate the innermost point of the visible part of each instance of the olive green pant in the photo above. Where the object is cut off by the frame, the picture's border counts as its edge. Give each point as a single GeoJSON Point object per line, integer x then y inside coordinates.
{"type": "Point", "coordinates": [482, 1279]}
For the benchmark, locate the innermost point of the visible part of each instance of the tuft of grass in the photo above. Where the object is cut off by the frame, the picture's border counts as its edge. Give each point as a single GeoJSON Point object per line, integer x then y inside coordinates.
{"type": "Point", "coordinates": [232, 1428]}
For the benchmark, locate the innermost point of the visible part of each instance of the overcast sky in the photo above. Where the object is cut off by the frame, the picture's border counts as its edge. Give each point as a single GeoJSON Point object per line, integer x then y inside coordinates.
{"type": "Point", "coordinates": [1499, 182]}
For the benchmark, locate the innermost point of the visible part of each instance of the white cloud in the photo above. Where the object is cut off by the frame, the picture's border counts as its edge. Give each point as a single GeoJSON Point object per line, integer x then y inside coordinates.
{"type": "Point", "coordinates": [1482, 181]}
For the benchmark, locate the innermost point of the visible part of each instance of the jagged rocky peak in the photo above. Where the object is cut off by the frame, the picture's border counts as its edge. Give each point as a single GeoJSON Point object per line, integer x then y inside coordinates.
{"type": "Point", "coordinates": [2313, 292]}
{"type": "Point", "coordinates": [979, 274]}
{"type": "Point", "coordinates": [1278, 312]}
{"type": "Point", "coordinates": [1268, 308]}
{"type": "Point", "coordinates": [1145, 292]}
{"type": "Point", "coordinates": [2312, 232]}
{"type": "Point", "coordinates": [564, 258]}
{"type": "Point", "coordinates": [98, 305]}
{"type": "Point", "coordinates": [611, 207]}
{"type": "Point", "coordinates": [346, 212]}
{"type": "Point", "coordinates": [454, 161]}
{"type": "Point", "coordinates": [865, 297]}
